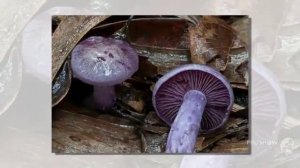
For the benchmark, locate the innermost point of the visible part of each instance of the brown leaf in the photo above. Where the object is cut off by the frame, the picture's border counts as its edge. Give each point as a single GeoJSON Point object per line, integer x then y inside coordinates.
{"type": "Point", "coordinates": [153, 143]}
{"type": "Point", "coordinates": [210, 42]}
{"type": "Point", "coordinates": [232, 126]}
{"type": "Point", "coordinates": [159, 33]}
{"type": "Point", "coordinates": [242, 70]}
{"type": "Point", "coordinates": [74, 132]}
{"type": "Point", "coordinates": [224, 146]}
{"type": "Point", "coordinates": [199, 143]}
{"type": "Point", "coordinates": [209, 141]}
{"type": "Point", "coordinates": [137, 105]}
{"type": "Point", "coordinates": [242, 25]}
{"type": "Point", "coordinates": [237, 68]}
{"type": "Point", "coordinates": [153, 119]}
{"type": "Point", "coordinates": [162, 43]}
{"type": "Point", "coordinates": [132, 97]}
{"type": "Point", "coordinates": [155, 129]}
{"type": "Point", "coordinates": [67, 35]}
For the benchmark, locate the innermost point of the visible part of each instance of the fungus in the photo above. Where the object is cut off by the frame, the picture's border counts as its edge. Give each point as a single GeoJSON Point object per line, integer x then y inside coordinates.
{"type": "Point", "coordinates": [191, 98]}
{"type": "Point", "coordinates": [103, 63]}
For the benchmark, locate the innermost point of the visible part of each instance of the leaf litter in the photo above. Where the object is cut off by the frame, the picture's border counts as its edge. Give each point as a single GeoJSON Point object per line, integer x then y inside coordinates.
{"type": "Point", "coordinates": [132, 126]}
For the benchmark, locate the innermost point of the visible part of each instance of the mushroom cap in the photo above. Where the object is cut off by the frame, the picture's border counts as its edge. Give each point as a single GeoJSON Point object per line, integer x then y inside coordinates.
{"type": "Point", "coordinates": [169, 91]}
{"type": "Point", "coordinates": [103, 61]}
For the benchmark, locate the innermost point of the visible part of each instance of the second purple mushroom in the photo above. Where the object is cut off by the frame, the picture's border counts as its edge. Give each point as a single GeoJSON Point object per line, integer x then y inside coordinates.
{"type": "Point", "coordinates": [103, 63]}
{"type": "Point", "coordinates": [191, 98]}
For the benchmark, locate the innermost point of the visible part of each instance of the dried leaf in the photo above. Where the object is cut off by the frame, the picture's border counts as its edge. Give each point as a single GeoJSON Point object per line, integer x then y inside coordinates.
{"type": "Point", "coordinates": [132, 97]}
{"type": "Point", "coordinates": [61, 84]}
{"type": "Point", "coordinates": [162, 43]}
{"type": "Point", "coordinates": [78, 133]}
{"type": "Point", "coordinates": [239, 86]}
{"type": "Point", "coordinates": [235, 123]}
{"type": "Point", "coordinates": [242, 25]}
{"type": "Point", "coordinates": [153, 119]}
{"type": "Point", "coordinates": [242, 70]}
{"type": "Point", "coordinates": [162, 49]}
{"type": "Point", "coordinates": [137, 105]}
{"type": "Point", "coordinates": [210, 42]}
{"type": "Point", "coordinates": [155, 129]}
{"type": "Point", "coordinates": [159, 33]}
{"type": "Point", "coordinates": [126, 111]}
{"type": "Point", "coordinates": [237, 68]}
{"type": "Point", "coordinates": [232, 126]}
{"type": "Point", "coordinates": [232, 147]}
{"type": "Point", "coordinates": [67, 35]}
{"type": "Point", "coordinates": [237, 108]}
{"type": "Point", "coordinates": [153, 143]}
{"type": "Point", "coordinates": [199, 143]}
{"type": "Point", "coordinates": [162, 62]}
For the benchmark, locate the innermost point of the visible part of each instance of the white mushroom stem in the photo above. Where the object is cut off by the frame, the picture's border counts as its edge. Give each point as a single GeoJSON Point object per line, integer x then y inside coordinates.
{"type": "Point", "coordinates": [185, 128]}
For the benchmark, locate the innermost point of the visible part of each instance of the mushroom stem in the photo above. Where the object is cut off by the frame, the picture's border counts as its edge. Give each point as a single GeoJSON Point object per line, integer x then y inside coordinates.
{"type": "Point", "coordinates": [185, 128]}
{"type": "Point", "coordinates": [104, 96]}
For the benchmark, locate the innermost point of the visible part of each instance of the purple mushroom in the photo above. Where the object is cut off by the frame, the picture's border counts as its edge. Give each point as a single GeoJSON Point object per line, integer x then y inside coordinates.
{"type": "Point", "coordinates": [191, 98]}
{"type": "Point", "coordinates": [103, 63]}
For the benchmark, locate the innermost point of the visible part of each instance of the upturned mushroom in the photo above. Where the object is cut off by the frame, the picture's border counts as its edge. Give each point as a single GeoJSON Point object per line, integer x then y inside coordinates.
{"type": "Point", "coordinates": [103, 63]}
{"type": "Point", "coordinates": [191, 99]}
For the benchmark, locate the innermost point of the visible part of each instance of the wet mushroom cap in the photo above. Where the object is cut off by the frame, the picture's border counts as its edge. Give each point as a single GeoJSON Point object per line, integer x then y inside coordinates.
{"type": "Point", "coordinates": [169, 92]}
{"type": "Point", "coordinates": [103, 61]}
